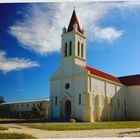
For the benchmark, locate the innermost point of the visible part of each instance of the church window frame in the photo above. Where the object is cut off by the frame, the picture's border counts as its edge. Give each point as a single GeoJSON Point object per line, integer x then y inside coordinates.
{"type": "Point", "coordinates": [125, 108]}
{"type": "Point", "coordinates": [67, 86]}
{"type": "Point", "coordinates": [111, 103]}
{"type": "Point", "coordinates": [90, 84]}
{"type": "Point", "coordinates": [65, 50]}
{"type": "Point", "coordinates": [118, 103]}
{"type": "Point", "coordinates": [56, 100]}
{"type": "Point", "coordinates": [82, 50]}
{"type": "Point", "coordinates": [78, 51]}
{"type": "Point", "coordinates": [70, 48]}
{"type": "Point", "coordinates": [80, 99]}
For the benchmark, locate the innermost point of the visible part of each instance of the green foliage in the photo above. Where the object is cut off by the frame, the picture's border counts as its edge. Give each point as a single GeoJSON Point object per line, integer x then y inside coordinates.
{"type": "Point", "coordinates": [2, 99]}
{"type": "Point", "coordinates": [86, 126]}
{"type": "Point", "coordinates": [4, 111]}
{"type": "Point", "coordinates": [15, 136]}
{"type": "Point", "coordinates": [37, 112]}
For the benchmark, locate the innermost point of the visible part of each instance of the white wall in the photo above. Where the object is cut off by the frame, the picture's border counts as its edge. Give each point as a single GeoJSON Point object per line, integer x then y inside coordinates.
{"type": "Point", "coordinates": [56, 91]}
{"type": "Point", "coordinates": [103, 89]}
{"type": "Point", "coordinates": [80, 88]}
{"type": "Point", "coordinates": [133, 112]}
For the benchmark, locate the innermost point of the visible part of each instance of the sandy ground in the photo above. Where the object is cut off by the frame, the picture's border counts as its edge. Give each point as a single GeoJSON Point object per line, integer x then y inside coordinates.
{"type": "Point", "coordinates": [72, 134]}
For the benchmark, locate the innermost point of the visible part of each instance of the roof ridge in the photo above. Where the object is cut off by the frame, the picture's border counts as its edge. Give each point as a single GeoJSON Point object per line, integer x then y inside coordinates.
{"type": "Point", "coordinates": [102, 74]}
{"type": "Point", "coordinates": [29, 100]}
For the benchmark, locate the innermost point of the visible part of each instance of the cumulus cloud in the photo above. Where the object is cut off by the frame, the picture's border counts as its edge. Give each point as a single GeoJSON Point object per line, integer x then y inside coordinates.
{"type": "Point", "coordinates": [40, 29]}
{"type": "Point", "coordinates": [109, 33]}
{"type": "Point", "coordinates": [10, 64]}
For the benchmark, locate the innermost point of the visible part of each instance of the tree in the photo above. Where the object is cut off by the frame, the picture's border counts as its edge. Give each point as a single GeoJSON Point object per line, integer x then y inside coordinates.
{"type": "Point", "coordinates": [37, 112]}
{"type": "Point", "coordinates": [2, 99]}
{"type": "Point", "coordinates": [4, 111]}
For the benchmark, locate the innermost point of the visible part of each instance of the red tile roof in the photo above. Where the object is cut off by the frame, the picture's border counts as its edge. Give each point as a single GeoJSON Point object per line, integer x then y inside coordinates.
{"type": "Point", "coordinates": [74, 20]}
{"type": "Point", "coordinates": [130, 80]}
{"type": "Point", "coordinates": [102, 74]}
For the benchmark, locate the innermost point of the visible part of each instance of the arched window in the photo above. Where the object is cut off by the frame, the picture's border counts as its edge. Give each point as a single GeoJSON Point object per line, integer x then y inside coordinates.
{"type": "Point", "coordinates": [111, 102]}
{"type": "Point", "coordinates": [70, 49]}
{"type": "Point", "coordinates": [125, 108]}
{"type": "Point", "coordinates": [78, 52]}
{"type": "Point", "coordinates": [55, 100]}
{"type": "Point", "coordinates": [65, 49]}
{"type": "Point", "coordinates": [79, 99]}
{"type": "Point", "coordinates": [118, 103]}
{"type": "Point", "coordinates": [82, 50]}
{"type": "Point", "coordinates": [90, 84]}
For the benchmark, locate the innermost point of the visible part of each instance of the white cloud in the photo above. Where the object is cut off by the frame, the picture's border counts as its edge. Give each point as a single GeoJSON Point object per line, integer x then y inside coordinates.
{"type": "Point", "coordinates": [10, 64]}
{"type": "Point", "coordinates": [107, 34]}
{"type": "Point", "coordinates": [40, 29]}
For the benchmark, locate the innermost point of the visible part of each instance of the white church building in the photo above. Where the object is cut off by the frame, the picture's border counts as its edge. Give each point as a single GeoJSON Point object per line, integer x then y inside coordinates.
{"type": "Point", "coordinates": [85, 93]}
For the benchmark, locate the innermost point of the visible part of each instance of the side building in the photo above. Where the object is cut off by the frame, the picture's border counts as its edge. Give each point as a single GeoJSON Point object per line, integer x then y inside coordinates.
{"type": "Point", "coordinates": [28, 108]}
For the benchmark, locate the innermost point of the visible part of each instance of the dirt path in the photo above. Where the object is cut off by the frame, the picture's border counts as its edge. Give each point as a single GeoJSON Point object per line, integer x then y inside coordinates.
{"type": "Point", "coordinates": [72, 134]}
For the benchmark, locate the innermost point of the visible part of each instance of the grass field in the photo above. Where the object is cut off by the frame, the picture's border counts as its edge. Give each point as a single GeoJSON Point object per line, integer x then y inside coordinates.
{"type": "Point", "coordinates": [10, 119]}
{"type": "Point", "coordinates": [85, 126]}
{"type": "Point", "coordinates": [3, 128]}
{"type": "Point", "coordinates": [15, 136]}
{"type": "Point", "coordinates": [14, 119]}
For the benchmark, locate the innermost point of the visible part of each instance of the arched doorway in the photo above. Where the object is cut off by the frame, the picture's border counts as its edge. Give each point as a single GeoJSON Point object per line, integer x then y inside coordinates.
{"type": "Point", "coordinates": [68, 108]}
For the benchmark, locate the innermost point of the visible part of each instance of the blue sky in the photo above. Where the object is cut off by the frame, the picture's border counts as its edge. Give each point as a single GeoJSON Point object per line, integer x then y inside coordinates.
{"type": "Point", "coordinates": [30, 42]}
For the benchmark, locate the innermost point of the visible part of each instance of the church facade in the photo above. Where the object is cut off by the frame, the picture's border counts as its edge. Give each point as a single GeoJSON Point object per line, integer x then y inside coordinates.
{"type": "Point", "coordinates": [85, 93]}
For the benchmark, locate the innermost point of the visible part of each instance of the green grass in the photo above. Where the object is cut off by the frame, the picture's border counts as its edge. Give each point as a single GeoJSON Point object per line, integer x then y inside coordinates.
{"type": "Point", "coordinates": [10, 119]}
{"type": "Point", "coordinates": [3, 128]}
{"type": "Point", "coordinates": [15, 136]}
{"type": "Point", "coordinates": [15, 119]}
{"type": "Point", "coordinates": [85, 126]}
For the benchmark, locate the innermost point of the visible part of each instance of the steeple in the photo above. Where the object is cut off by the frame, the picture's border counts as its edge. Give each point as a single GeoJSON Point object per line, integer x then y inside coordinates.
{"type": "Point", "coordinates": [73, 22]}
{"type": "Point", "coordinates": [73, 47]}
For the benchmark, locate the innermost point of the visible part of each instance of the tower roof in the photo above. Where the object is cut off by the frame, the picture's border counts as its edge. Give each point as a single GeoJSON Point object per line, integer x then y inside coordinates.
{"type": "Point", "coordinates": [74, 20]}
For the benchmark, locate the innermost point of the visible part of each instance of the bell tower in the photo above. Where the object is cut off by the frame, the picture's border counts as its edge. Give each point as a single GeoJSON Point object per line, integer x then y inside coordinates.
{"type": "Point", "coordinates": [73, 44]}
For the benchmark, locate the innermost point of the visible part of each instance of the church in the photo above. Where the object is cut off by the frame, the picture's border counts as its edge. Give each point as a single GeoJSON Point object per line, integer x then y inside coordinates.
{"type": "Point", "coordinates": [85, 93]}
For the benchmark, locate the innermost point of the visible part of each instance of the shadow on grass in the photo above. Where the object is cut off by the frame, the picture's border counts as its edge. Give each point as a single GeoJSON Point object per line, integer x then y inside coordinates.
{"type": "Point", "coordinates": [15, 136]}
{"type": "Point", "coordinates": [10, 121]}
{"type": "Point", "coordinates": [3, 128]}
{"type": "Point", "coordinates": [130, 132]}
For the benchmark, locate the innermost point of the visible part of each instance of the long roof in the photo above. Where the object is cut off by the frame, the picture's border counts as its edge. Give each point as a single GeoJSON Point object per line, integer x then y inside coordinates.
{"type": "Point", "coordinates": [102, 74]}
{"type": "Point", "coordinates": [125, 80]}
{"type": "Point", "coordinates": [130, 80]}
{"type": "Point", "coordinates": [27, 101]}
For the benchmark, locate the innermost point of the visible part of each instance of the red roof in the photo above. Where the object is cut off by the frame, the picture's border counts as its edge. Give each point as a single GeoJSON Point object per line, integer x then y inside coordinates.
{"type": "Point", "coordinates": [130, 80]}
{"type": "Point", "coordinates": [74, 20]}
{"type": "Point", "coordinates": [102, 74]}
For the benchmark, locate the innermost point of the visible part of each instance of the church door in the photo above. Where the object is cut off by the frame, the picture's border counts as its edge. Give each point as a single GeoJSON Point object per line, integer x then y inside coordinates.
{"type": "Point", "coordinates": [68, 108]}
